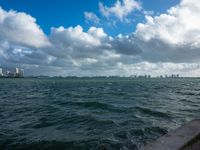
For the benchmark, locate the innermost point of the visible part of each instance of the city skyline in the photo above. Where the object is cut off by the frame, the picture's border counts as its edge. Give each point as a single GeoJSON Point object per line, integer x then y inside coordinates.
{"type": "Point", "coordinates": [15, 73]}
{"type": "Point", "coordinates": [103, 38]}
{"type": "Point", "coordinates": [19, 72]}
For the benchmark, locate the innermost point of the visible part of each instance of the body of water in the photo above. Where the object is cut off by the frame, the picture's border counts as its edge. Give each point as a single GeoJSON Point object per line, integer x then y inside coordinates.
{"type": "Point", "coordinates": [93, 114]}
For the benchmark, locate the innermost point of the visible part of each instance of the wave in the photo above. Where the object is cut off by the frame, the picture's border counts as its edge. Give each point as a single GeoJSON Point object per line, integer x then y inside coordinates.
{"type": "Point", "coordinates": [96, 105]}
{"type": "Point", "coordinates": [121, 140]}
{"type": "Point", "coordinates": [188, 93]}
{"type": "Point", "coordinates": [90, 144]}
{"type": "Point", "coordinates": [148, 130]}
{"type": "Point", "coordinates": [152, 112]}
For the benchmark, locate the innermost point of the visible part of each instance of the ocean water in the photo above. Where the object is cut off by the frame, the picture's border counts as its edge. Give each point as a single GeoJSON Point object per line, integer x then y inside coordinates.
{"type": "Point", "coordinates": [93, 114]}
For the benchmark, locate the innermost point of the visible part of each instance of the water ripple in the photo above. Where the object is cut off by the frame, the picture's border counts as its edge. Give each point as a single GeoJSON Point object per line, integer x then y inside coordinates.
{"type": "Point", "coordinates": [93, 114]}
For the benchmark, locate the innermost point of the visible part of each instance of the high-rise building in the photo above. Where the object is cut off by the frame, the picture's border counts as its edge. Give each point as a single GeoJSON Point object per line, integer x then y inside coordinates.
{"type": "Point", "coordinates": [19, 73]}
{"type": "Point", "coordinates": [10, 74]}
{"type": "Point", "coordinates": [1, 72]}
{"type": "Point", "coordinates": [22, 72]}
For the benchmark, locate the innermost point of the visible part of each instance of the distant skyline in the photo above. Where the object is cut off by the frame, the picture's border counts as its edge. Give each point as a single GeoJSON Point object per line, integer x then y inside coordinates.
{"type": "Point", "coordinates": [100, 37]}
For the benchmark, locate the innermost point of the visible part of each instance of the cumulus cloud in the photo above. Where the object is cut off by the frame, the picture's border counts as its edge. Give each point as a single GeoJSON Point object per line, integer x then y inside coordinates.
{"type": "Point", "coordinates": [21, 40]}
{"type": "Point", "coordinates": [172, 36]}
{"type": "Point", "coordinates": [125, 45]}
{"type": "Point", "coordinates": [165, 41]}
{"type": "Point", "coordinates": [94, 43]}
{"type": "Point", "coordinates": [164, 44]}
{"type": "Point", "coordinates": [74, 42]}
{"type": "Point", "coordinates": [21, 28]}
{"type": "Point", "coordinates": [121, 9]}
{"type": "Point", "coordinates": [91, 17]}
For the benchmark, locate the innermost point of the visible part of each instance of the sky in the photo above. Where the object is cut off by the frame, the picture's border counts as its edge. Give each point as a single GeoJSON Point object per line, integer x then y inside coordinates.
{"type": "Point", "coordinates": [101, 37]}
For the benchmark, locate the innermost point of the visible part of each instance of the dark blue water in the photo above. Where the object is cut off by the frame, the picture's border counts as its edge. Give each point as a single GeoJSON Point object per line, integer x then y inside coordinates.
{"type": "Point", "coordinates": [93, 114]}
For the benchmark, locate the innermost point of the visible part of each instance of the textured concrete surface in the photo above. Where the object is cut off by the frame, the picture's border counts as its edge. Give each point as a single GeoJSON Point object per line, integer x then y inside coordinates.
{"type": "Point", "coordinates": [193, 145]}
{"type": "Point", "coordinates": [184, 138]}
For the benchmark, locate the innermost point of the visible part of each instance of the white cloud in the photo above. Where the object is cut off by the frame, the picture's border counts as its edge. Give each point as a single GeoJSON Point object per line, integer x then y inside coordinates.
{"type": "Point", "coordinates": [164, 44]}
{"type": "Point", "coordinates": [121, 9]}
{"type": "Point", "coordinates": [76, 36]}
{"type": "Point", "coordinates": [20, 28]}
{"type": "Point", "coordinates": [91, 17]}
{"type": "Point", "coordinates": [179, 26]}
{"type": "Point", "coordinates": [21, 40]}
{"type": "Point", "coordinates": [78, 46]}
{"type": "Point", "coordinates": [172, 36]}
{"type": "Point", "coordinates": [74, 42]}
{"type": "Point", "coordinates": [148, 13]}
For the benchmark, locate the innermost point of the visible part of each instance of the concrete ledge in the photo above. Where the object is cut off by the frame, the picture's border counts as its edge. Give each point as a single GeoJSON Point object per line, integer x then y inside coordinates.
{"type": "Point", "coordinates": [177, 139]}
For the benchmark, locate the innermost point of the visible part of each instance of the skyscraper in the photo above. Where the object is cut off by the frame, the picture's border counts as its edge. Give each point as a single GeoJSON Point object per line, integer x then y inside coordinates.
{"type": "Point", "coordinates": [22, 72]}
{"type": "Point", "coordinates": [1, 72]}
{"type": "Point", "coordinates": [19, 73]}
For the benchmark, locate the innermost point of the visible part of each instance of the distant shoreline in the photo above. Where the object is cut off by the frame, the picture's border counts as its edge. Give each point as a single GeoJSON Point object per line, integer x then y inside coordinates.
{"type": "Point", "coordinates": [98, 77]}
{"type": "Point", "coordinates": [12, 77]}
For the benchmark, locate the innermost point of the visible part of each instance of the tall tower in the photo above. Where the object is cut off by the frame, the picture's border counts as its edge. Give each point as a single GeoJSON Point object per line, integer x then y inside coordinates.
{"type": "Point", "coordinates": [22, 72]}
{"type": "Point", "coordinates": [17, 72]}
{"type": "Point", "coordinates": [1, 72]}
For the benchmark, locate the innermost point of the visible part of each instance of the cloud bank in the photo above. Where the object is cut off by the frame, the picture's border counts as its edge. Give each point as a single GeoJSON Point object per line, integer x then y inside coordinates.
{"type": "Point", "coordinates": [21, 28]}
{"type": "Point", "coordinates": [164, 44]}
{"type": "Point", "coordinates": [173, 36]}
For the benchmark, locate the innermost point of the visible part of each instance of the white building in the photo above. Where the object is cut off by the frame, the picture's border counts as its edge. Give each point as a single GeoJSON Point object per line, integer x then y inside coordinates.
{"type": "Point", "coordinates": [1, 72]}
{"type": "Point", "coordinates": [17, 71]}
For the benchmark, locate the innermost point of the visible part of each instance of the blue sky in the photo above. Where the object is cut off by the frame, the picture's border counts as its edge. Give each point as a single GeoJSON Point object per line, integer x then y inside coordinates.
{"type": "Point", "coordinates": [101, 37]}
{"type": "Point", "coordinates": [54, 13]}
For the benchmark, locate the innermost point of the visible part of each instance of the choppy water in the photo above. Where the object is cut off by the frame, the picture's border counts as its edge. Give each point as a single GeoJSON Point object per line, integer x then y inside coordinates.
{"type": "Point", "coordinates": [93, 114]}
